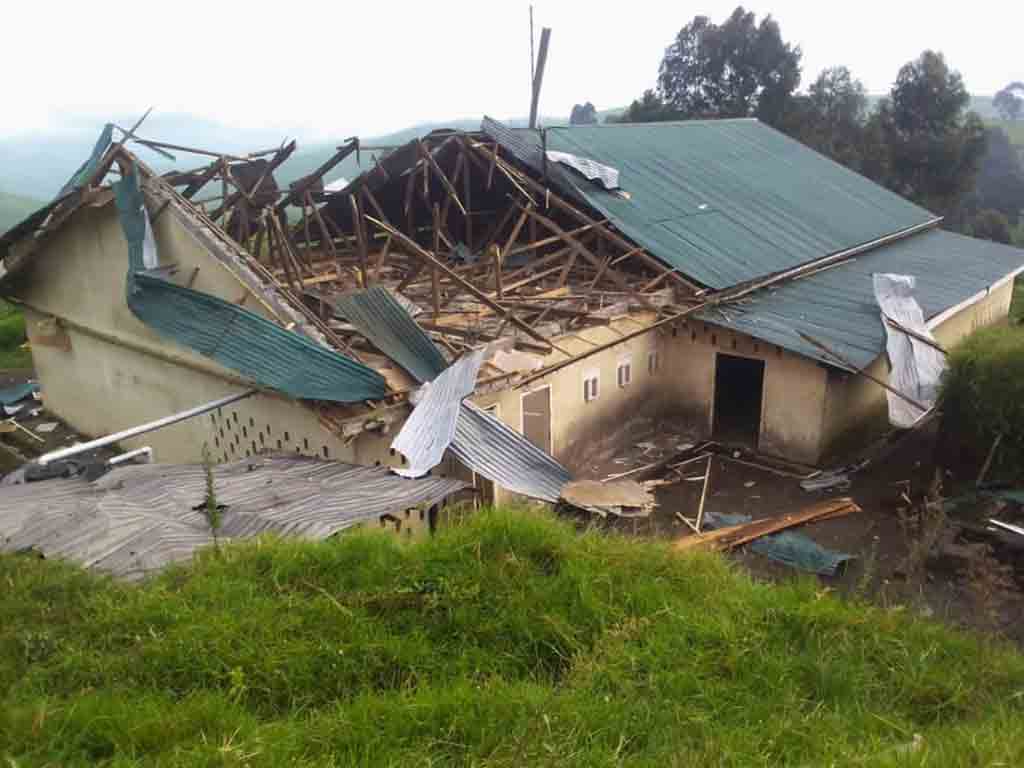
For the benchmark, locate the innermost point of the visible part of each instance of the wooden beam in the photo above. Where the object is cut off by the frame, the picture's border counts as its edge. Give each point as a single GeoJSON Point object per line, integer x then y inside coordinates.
{"type": "Point", "coordinates": [854, 369]}
{"type": "Point", "coordinates": [915, 335]}
{"type": "Point", "coordinates": [469, 287]}
{"type": "Point", "coordinates": [445, 182]}
{"type": "Point", "coordinates": [548, 240]}
{"type": "Point", "coordinates": [435, 284]}
{"type": "Point", "coordinates": [357, 223]}
{"type": "Point", "coordinates": [498, 290]}
{"type": "Point", "coordinates": [553, 199]}
{"type": "Point", "coordinates": [299, 188]}
{"type": "Point", "coordinates": [585, 252]}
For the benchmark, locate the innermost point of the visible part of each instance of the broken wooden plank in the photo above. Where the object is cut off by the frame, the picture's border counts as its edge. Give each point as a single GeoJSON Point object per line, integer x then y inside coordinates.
{"type": "Point", "coordinates": [737, 535]}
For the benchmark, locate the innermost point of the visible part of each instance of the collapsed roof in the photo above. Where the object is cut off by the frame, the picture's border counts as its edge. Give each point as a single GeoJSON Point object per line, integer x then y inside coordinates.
{"type": "Point", "coordinates": [528, 235]}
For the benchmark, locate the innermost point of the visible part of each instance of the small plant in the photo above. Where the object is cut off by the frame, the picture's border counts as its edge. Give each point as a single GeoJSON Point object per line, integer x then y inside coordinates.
{"type": "Point", "coordinates": [867, 575]}
{"type": "Point", "coordinates": [922, 529]}
{"type": "Point", "coordinates": [986, 579]}
{"type": "Point", "coordinates": [211, 509]}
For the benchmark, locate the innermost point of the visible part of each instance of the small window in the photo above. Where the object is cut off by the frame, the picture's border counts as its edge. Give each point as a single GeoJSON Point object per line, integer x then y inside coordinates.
{"type": "Point", "coordinates": [625, 373]}
{"type": "Point", "coordinates": [591, 388]}
{"type": "Point", "coordinates": [653, 361]}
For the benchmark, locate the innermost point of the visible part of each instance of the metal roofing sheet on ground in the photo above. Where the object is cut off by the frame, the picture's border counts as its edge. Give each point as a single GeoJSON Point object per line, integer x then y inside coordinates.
{"type": "Point", "coordinates": [838, 307]}
{"type": "Point", "coordinates": [722, 201]}
{"type": "Point", "coordinates": [137, 519]}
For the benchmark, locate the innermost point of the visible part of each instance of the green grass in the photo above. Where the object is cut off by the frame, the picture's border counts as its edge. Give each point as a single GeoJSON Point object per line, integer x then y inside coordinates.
{"type": "Point", "coordinates": [12, 336]}
{"type": "Point", "coordinates": [507, 641]}
{"type": "Point", "coordinates": [1017, 302]}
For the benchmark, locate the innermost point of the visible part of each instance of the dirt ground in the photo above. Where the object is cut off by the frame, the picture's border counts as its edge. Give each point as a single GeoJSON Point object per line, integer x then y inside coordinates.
{"type": "Point", "coordinates": [891, 565]}
{"type": "Point", "coordinates": [42, 431]}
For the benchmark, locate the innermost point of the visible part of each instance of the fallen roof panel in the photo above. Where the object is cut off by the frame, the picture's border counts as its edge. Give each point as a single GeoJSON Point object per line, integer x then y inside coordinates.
{"type": "Point", "coordinates": [137, 519]}
{"type": "Point", "coordinates": [387, 324]}
{"type": "Point", "coordinates": [493, 449]}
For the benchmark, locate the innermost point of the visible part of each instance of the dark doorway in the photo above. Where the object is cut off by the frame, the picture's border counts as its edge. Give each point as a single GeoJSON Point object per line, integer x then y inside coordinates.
{"type": "Point", "coordinates": [739, 390]}
{"type": "Point", "coordinates": [537, 418]}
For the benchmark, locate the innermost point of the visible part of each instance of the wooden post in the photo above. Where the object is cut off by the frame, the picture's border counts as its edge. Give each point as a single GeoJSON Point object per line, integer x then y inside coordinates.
{"type": "Point", "coordinates": [357, 225]}
{"type": "Point", "coordinates": [466, 184]}
{"type": "Point", "coordinates": [704, 492]}
{"type": "Point", "coordinates": [496, 253]}
{"type": "Point", "coordinates": [435, 277]}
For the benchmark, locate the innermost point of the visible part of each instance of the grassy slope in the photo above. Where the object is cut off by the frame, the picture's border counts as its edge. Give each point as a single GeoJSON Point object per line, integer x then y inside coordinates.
{"type": "Point", "coordinates": [14, 208]}
{"type": "Point", "coordinates": [507, 641]}
{"type": "Point", "coordinates": [1017, 304]}
{"type": "Point", "coordinates": [12, 336]}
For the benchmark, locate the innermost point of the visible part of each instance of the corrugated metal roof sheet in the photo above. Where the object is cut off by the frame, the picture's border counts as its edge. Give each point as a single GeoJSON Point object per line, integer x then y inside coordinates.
{"type": "Point", "coordinates": [499, 453]}
{"type": "Point", "coordinates": [381, 318]}
{"type": "Point", "coordinates": [429, 430]}
{"type": "Point", "coordinates": [837, 306]}
{"type": "Point", "coordinates": [481, 442]}
{"type": "Point", "coordinates": [258, 349]}
{"type": "Point", "coordinates": [137, 519]}
{"type": "Point", "coordinates": [239, 339]}
{"type": "Point", "coordinates": [722, 201]}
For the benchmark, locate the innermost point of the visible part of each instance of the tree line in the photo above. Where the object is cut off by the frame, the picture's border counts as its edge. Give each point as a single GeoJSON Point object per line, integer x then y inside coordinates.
{"type": "Point", "coordinates": [921, 140]}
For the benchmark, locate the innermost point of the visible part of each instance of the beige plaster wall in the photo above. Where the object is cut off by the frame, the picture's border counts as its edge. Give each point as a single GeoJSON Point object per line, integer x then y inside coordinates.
{"type": "Point", "coordinates": [794, 387]}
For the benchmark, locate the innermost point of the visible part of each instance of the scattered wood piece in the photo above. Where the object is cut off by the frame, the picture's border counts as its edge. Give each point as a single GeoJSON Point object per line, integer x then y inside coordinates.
{"type": "Point", "coordinates": [688, 522]}
{"type": "Point", "coordinates": [704, 492]}
{"type": "Point", "coordinates": [737, 535]}
{"type": "Point", "coordinates": [767, 468]}
{"type": "Point", "coordinates": [989, 458]}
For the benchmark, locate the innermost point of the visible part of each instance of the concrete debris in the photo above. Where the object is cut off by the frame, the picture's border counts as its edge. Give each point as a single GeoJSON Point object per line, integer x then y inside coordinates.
{"type": "Point", "coordinates": [615, 494]}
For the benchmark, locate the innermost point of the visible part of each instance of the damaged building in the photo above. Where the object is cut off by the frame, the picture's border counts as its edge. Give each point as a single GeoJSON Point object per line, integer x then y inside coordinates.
{"type": "Point", "coordinates": [525, 294]}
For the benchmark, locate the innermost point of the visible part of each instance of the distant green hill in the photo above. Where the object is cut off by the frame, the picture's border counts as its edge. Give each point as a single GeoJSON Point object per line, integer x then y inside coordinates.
{"type": "Point", "coordinates": [14, 208]}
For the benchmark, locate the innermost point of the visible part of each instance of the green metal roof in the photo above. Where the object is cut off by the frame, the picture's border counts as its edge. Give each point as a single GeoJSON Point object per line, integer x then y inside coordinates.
{"type": "Point", "coordinates": [235, 337]}
{"type": "Point", "coordinates": [722, 201]}
{"type": "Point", "coordinates": [837, 306]}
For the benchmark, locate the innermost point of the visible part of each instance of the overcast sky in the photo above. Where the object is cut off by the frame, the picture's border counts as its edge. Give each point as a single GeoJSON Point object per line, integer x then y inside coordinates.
{"type": "Point", "coordinates": [317, 69]}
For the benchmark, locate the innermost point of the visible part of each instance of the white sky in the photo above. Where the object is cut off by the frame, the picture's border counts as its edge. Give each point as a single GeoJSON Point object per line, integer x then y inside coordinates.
{"type": "Point", "coordinates": [318, 69]}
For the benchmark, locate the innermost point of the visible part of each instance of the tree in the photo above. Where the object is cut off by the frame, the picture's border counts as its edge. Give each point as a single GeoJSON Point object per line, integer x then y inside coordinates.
{"type": "Point", "coordinates": [649, 108]}
{"type": "Point", "coordinates": [935, 148]}
{"type": "Point", "coordinates": [583, 114]}
{"type": "Point", "coordinates": [831, 118]}
{"type": "Point", "coordinates": [1000, 184]}
{"type": "Point", "coordinates": [991, 225]}
{"type": "Point", "coordinates": [1009, 102]}
{"type": "Point", "coordinates": [736, 69]}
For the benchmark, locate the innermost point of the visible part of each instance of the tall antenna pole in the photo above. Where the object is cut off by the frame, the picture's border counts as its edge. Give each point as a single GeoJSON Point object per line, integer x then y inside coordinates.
{"type": "Point", "coordinates": [531, 51]}
{"type": "Point", "coordinates": [538, 75]}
